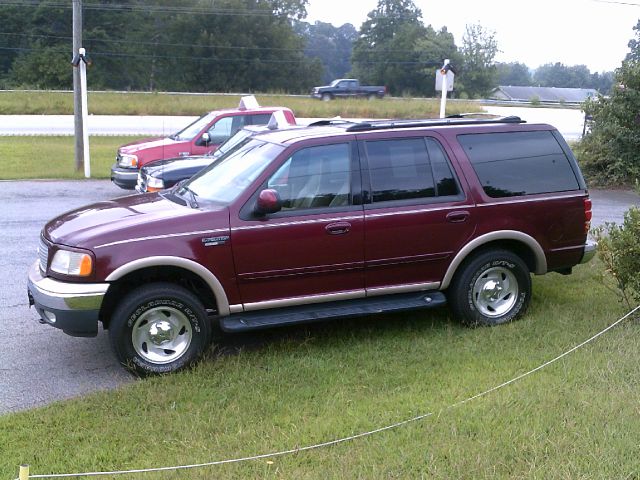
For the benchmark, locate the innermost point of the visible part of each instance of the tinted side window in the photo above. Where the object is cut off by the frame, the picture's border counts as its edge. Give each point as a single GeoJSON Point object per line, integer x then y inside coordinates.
{"type": "Point", "coordinates": [402, 169]}
{"type": "Point", "coordinates": [519, 163]}
{"type": "Point", "coordinates": [444, 179]}
{"type": "Point", "coordinates": [259, 119]}
{"type": "Point", "coordinates": [315, 177]}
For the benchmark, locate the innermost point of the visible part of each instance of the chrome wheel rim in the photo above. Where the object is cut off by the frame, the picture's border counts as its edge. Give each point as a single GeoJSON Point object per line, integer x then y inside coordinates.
{"type": "Point", "coordinates": [161, 335]}
{"type": "Point", "coordinates": [495, 292]}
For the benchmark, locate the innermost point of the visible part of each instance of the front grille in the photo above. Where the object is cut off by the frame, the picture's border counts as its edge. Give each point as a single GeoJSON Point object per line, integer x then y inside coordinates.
{"type": "Point", "coordinates": [43, 254]}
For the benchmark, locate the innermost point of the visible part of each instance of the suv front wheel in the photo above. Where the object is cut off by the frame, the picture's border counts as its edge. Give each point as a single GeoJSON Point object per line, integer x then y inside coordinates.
{"type": "Point", "coordinates": [159, 328]}
{"type": "Point", "coordinates": [491, 288]}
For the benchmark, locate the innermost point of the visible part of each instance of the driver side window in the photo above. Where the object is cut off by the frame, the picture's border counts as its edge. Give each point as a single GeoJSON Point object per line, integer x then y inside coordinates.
{"type": "Point", "coordinates": [223, 129]}
{"type": "Point", "coordinates": [314, 177]}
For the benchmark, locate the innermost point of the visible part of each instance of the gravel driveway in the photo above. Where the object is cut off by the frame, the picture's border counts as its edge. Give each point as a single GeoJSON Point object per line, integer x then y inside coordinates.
{"type": "Point", "coordinates": [39, 364]}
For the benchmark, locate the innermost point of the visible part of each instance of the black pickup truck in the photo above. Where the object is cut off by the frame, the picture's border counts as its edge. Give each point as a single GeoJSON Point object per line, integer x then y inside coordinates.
{"type": "Point", "coordinates": [346, 88]}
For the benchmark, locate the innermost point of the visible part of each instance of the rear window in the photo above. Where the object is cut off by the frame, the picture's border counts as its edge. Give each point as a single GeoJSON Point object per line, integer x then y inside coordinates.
{"type": "Point", "coordinates": [519, 163]}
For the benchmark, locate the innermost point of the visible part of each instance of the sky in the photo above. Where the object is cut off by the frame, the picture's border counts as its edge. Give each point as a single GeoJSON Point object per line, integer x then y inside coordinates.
{"type": "Point", "coordinates": [594, 33]}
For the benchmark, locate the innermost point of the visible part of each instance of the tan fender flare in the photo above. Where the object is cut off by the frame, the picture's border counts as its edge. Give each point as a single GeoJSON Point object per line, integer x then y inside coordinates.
{"type": "Point", "coordinates": [469, 248]}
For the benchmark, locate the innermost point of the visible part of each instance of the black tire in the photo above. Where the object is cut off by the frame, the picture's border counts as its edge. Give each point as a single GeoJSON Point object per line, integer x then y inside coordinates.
{"type": "Point", "coordinates": [327, 97]}
{"type": "Point", "coordinates": [159, 328]}
{"type": "Point", "coordinates": [491, 288]}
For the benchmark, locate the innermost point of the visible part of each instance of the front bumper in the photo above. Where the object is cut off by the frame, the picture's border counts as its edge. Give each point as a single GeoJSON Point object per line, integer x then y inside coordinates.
{"type": "Point", "coordinates": [72, 307]}
{"type": "Point", "coordinates": [124, 177]}
{"type": "Point", "coordinates": [590, 249]}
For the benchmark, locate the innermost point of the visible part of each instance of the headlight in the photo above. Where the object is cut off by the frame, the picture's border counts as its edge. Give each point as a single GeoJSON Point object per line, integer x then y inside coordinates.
{"type": "Point", "coordinates": [128, 161]}
{"type": "Point", "coordinates": [72, 263]}
{"type": "Point", "coordinates": [154, 184]}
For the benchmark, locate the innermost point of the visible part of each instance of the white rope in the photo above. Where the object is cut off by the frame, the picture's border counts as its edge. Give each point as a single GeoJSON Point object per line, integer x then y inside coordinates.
{"type": "Point", "coordinates": [352, 437]}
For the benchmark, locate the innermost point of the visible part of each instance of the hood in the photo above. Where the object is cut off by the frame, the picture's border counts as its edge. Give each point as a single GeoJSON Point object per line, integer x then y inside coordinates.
{"type": "Point", "coordinates": [152, 148]}
{"type": "Point", "coordinates": [130, 217]}
{"type": "Point", "coordinates": [196, 162]}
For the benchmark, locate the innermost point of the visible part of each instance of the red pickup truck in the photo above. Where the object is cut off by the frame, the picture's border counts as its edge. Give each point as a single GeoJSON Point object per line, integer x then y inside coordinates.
{"type": "Point", "coordinates": [200, 137]}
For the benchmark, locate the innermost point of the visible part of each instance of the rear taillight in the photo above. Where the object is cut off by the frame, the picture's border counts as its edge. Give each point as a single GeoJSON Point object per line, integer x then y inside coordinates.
{"type": "Point", "coordinates": [588, 214]}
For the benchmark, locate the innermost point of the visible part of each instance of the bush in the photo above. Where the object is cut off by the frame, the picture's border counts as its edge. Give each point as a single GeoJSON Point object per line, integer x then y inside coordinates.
{"type": "Point", "coordinates": [619, 250]}
{"type": "Point", "coordinates": [608, 154]}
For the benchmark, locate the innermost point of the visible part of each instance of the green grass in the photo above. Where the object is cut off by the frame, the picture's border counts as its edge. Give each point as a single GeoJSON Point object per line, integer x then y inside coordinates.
{"type": "Point", "coordinates": [53, 157]}
{"type": "Point", "coordinates": [112, 103]}
{"type": "Point", "coordinates": [578, 418]}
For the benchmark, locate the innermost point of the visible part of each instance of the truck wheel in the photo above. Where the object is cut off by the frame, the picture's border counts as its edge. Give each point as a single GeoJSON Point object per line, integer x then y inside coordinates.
{"type": "Point", "coordinates": [372, 96]}
{"type": "Point", "coordinates": [159, 328]}
{"type": "Point", "coordinates": [326, 97]}
{"type": "Point", "coordinates": [491, 288]}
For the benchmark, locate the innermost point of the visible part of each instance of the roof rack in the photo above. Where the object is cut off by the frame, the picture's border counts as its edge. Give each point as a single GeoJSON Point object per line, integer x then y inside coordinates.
{"type": "Point", "coordinates": [435, 122]}
{"type": "Point", "coordinates": [331, 121]}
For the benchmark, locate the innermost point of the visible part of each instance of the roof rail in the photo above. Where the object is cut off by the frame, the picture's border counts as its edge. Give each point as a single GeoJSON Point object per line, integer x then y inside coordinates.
{"type": "Point", "coordinates": [434, 122]}
{"type": "Point", "coordinates": [331, 121]}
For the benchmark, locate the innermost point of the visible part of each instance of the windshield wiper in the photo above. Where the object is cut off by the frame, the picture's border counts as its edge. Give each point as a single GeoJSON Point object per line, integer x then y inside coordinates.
{"type": "Point", "coordinates": [193, 203]}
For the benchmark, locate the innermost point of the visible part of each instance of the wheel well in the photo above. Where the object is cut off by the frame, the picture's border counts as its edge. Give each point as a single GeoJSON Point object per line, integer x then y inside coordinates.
{"type": "Point", "coordinates": [518, 248]}
{"type": "Point", "coordinates": [169, 274]}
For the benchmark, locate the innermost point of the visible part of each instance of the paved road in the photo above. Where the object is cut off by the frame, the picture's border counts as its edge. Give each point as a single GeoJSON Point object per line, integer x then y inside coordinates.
{"type": "Point", "coordinates": [39, 364]}
{"type": "Point", "coordinates": [568, 121]}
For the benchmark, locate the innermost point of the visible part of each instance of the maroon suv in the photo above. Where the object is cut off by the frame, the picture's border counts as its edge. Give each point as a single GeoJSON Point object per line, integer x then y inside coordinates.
{"type": "Point", "coordinates": [328, 221]}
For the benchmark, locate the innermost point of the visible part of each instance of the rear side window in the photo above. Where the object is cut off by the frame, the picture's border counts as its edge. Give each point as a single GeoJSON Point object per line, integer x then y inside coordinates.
{"type": "Point", "coordinates": [519, 163]}
{"type": "Point", "coordinates": [410, 168]}
{"type": "Point", "coordinates": [258, 119]}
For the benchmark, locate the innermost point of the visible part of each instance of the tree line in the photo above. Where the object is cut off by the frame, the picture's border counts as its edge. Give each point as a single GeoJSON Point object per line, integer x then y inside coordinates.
{"type": "Point", "coordinates": [254, 45]}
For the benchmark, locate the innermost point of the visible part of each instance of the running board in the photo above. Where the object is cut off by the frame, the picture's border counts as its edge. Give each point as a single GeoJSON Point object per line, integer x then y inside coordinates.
{"type": "Point", "coordinates": [279, 317]}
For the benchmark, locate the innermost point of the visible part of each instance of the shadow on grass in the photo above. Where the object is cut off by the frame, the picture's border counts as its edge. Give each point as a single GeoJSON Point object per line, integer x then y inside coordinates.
{"type": "Point", "coordinates": [326, 333]}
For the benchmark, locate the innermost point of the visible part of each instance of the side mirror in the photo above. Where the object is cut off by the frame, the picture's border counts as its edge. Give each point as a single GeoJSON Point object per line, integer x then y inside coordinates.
{"type": "Point", "coordinates": [205, 138]}
{"type": "Point", "coordinates": [268, 202]}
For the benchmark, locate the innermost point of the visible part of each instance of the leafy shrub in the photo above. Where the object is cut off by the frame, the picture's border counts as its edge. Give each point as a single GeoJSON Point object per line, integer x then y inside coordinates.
{"type": "Point", "coordinates": [608, 154]}
{"type": "Point", "coordinates": [619, 250]}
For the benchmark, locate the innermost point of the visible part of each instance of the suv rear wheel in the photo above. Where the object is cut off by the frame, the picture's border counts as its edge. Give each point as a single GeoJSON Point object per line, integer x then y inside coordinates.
{"type": "Point", "coordinates": [491, 288]}
{"type": "Point", "coordinates": [159, 328]}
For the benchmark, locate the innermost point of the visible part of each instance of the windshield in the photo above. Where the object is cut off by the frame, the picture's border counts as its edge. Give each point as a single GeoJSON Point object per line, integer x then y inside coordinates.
{"type": "Point", "coordinates": [194, 128]}
{"type": "Point", "coordinates": [224, 180]}
{"type": "Point", "coordinates": [235, 140]}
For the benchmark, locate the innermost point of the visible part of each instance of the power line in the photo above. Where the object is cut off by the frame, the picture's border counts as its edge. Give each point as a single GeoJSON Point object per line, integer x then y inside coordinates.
{"type": "Point", "coordinates": [617, 2]}
{"type": "Point", "coordinates": [214, 59]}
{"type": "Point", "coordinates": [146, 8]}
{"type": "Point", "coordinates": [194, 45]}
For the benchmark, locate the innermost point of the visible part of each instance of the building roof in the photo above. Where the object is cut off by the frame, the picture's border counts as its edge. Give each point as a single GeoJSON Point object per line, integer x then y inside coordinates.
{"type": "Point", "coordinates": [543, 94]}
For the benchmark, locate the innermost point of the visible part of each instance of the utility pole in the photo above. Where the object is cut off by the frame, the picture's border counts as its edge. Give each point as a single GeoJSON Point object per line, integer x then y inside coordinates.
{"type": "Point", "coordinates": [78, 126]}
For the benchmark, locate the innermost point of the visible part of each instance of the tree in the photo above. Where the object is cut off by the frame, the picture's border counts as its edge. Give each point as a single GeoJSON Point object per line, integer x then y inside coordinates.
{"type": "Point", "coordinates": [634, 45]}
{"type": "Point", "coordinates": [239, 45]}
{"type": "Point", "coordinates": [385, 52]}
{"type": "Point", "coordinates": [478, 74]}
{"type": "Point", "coordinates": [332, 46]}
{"type": "Point", "coordinates": [563, 76]}
{"type": "Point", "coordinates": [609, 152]}
{"type": "Point", "coordinates": [514, 74]}
{"type": "Point", "coordinates": [433, 48]}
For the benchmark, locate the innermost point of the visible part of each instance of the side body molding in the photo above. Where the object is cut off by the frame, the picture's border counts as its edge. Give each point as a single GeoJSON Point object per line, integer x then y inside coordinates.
{"type": "Point", "coordinates": [527, 240]}
{"type": "Point", "coordinates": [194, 267]}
